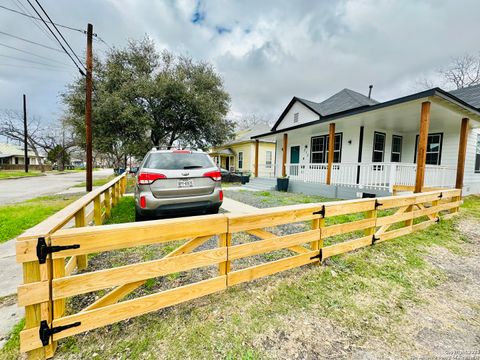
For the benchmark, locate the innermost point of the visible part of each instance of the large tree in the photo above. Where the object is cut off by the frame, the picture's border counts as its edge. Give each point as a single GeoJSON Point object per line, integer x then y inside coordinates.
{"type": "Point", "coordinates": [143, 98]}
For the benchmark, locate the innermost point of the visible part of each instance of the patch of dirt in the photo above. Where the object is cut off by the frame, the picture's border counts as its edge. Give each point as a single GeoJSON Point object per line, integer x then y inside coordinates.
{"type": "Point", "coordinates": [444, 324]}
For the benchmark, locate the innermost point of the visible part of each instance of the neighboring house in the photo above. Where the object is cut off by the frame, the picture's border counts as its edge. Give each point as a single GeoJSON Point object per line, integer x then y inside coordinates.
{"type": "Point", "coordinates": [376, 144]}
{"type": "Point", "coordinates": [14, 155]}
{"type": "Point", "coordinates": [238, 155]}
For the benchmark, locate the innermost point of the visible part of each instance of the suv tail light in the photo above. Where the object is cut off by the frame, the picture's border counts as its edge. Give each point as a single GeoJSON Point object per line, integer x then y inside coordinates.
{"type": "Point", "coordinates": [215, 175]}
{"type": "Point", "coordinates": [148, 178]}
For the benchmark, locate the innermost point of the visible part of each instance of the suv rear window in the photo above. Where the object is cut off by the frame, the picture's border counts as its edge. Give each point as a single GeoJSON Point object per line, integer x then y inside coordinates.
{"type": "Point", "coordinates": [178, 161]}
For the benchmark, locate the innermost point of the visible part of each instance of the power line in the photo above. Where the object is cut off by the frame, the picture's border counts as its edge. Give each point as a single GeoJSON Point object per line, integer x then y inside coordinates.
{"type": "Point", "coordinates": [28, 60]}
{"type": "Point", "coordinates": [20, 6]}
{"type": "Point", "coordinates": [55, 26]}
{"type": "Point", "coordinates": [36, 18]}
{"type": "Point", "coordinates": [31, 53]}
{"type": "Point", "coordinates": [37, 68]}
{"type": "Point", "coordinates": [59, 25]}
{"type": "Point", "coordinates": [31, 42]}
{"type": "Point", "coordinates": [65, 50]}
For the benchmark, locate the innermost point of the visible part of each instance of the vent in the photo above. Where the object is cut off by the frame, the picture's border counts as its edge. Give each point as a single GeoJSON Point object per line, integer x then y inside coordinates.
{"type": "Point", "coordinates": [295, 118]}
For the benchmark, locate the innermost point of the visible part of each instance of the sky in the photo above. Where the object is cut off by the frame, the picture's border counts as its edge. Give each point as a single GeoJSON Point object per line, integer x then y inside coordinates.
{"type": "Point", "coordinates": [266, 51]}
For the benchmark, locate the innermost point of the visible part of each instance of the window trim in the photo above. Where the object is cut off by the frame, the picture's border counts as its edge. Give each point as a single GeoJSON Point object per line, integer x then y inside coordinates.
{"type": "Point", "coordinates": [439, 151]}
{"type": "Point", "coordinates": [401, 148]}
{"type": "Point", "coordinates": [238, 162]}
{"type": "Point", "coordinates": [267, 164]}
{"type": "Point", "coordinates": [477, 156]}
{"type": "Point", "coordinates": [384, 145]}
{"type": "Point", "coordinates": [325, 148]}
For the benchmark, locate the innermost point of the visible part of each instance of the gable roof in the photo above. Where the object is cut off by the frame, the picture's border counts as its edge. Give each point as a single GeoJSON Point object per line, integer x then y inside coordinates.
{"type": "Point", "coordinates": [420, 95]}
{"type": "Point", "coordinates": [343, 100]}
{"type": "Point", "coordinates": [469, 94]}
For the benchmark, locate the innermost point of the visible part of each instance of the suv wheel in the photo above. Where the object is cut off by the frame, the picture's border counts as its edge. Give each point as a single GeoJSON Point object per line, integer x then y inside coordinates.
{"type": "Point", "coordinates": [140, 217]}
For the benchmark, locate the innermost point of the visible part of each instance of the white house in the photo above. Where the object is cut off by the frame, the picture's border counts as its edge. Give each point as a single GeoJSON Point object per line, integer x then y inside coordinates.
{"type": "Point", "coordinates": [11, 155]}
{"type": "Point", "coordinates": [429, 139]}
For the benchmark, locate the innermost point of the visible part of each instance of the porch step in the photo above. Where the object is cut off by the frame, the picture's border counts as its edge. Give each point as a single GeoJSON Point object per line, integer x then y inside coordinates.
{"type": "Point", "coordinates": [260, 184]}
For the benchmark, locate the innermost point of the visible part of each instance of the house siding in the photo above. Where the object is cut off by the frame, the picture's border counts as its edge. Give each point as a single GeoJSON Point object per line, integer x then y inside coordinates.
{"type": "Point", "coordinates": [304, 115]}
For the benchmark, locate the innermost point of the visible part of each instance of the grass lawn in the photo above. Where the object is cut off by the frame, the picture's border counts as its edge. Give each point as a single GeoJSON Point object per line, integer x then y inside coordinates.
{"type": "Point", "coordinates": [7, 174]}
{"type": "Point", "coordinates": [97, 182]}
{"type": "Point", "coordinates": [18, 217]}
{"type": "Point", "coordinates": [414, 296]}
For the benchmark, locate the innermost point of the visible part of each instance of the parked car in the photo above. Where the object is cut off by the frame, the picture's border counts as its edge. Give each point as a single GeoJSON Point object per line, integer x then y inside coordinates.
{"type": "Point", "coordinates": [171, 182]}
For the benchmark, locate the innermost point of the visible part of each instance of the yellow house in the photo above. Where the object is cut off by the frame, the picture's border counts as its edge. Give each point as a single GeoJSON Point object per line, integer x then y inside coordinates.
{"type": "Point", "coordinates": [239, 154]}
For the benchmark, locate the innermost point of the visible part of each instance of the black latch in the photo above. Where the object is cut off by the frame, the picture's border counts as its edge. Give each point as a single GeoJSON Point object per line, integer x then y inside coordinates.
{"type": "Point", "coordinates": [377, 204]}
{"type": "Point", "coordinates": [320, 212]}
{"type": "Point", "coordinates": [437, 220]}
{"type": "Point", "coordinates": [43, 249]}
{"type": "Point", "coordinates": [441, 195]}
{"type": "Point", "coordinates": [319, 256]}
{"type": "Point", "coordinates": [374, 239]}
{"type": "Point", "coordinates": [46, 332]}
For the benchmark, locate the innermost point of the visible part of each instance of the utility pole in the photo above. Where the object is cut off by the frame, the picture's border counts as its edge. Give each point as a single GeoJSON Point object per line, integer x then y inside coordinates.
{"type": "Point", "coordinates": [25, 134]}
{"type": "Point", "coordinates": [88, 107]}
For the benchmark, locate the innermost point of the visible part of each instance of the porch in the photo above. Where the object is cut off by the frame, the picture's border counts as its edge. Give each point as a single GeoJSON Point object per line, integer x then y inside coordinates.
{"type": "Point", "coordinates": [422, 154]}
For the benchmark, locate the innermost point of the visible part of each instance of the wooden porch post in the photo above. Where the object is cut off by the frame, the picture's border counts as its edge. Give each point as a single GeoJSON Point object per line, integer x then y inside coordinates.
{"type": "Point", "coordinates": [331, 147]}
{"type": "Point", "coordinates": [462, 151]}
{"type": "Point", "coordinates": [284, 154]}
{"type": "Point", "coordinates": [422, 146]}
{"type": "Point", "coordinates": [256, 157]}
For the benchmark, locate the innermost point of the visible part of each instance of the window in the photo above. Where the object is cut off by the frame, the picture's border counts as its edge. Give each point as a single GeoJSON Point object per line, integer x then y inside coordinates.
{"type": "Point", "coordinates": [319, 149]}
{"type": "Point", "coordinates": [434, 149]}
{"type": "Point", "coordinates": [396, 148]}
{"type": "Point", "coordinates": [268, 159]}
{"type": "Point", "coordinates": [477, 155]}
{"type": "Point", "coordinates": [378, 147]}
{"type": "Point", "coordinates": [240, 160]}
{"type": "Point", "coordinates": [295, 118]}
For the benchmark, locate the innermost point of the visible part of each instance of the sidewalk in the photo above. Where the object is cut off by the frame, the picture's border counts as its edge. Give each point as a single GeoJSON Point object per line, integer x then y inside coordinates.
{"type": "Point", "coordinates": [237, 207]}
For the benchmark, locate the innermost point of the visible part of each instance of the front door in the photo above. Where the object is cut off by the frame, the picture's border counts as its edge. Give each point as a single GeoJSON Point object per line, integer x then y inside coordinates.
{"type": "Point", "coordinates": [227, 163]}
{"type": "Point", "coordinates": [294, 154]}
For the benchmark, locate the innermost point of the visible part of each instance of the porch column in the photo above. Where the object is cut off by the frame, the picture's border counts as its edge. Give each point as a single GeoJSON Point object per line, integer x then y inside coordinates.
{"type": "Point", "coordinates": [256, 157]}
{"type": "Point", "coordinates": [284, 154]}
{"type": "Point", "coordinates": [462, 152]}
{"type": "Point", "coordinates": [331, 147]}
{"type": "Point", "coordinates": [422, 146]}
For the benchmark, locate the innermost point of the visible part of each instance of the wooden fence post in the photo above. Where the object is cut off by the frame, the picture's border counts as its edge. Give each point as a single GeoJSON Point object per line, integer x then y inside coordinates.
{"type": "Point", "coordinates": [108, 203]}
{"type": "Point", "coordinates": [97, 210]}
{"type": "Point", "coordinates": [82, 262]}
{"type": "Point", "coordinates": [224, 240]}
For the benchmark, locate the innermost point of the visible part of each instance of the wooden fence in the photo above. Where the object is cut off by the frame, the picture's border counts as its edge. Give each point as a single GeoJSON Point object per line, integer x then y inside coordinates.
{"type": "Point", "coordinates": [307, 234]}
{"type": "Point", "coordinates": [34, 249]}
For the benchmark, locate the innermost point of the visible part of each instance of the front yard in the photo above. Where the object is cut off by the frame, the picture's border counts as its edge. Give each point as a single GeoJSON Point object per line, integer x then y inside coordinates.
{"type": "Point", "coordinates": [414, 296]}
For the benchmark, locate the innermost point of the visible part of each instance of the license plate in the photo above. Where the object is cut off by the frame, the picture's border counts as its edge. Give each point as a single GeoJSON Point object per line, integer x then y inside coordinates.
{"type": "Point", "coordinates": [187, 183]}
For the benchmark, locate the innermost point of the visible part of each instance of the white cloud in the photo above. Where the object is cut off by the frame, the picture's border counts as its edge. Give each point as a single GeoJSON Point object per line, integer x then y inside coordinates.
{"type": "Point", "coordinates": [266, 51]}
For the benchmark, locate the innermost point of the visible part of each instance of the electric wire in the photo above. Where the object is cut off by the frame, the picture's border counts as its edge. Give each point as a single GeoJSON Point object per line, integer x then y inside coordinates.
{"type": "Point", "coordinates": [30, 41]}
{"type": "Point", "coordinates": [63, 47]}
{"type": "Point", "coordinates": [28, 60]}
{"type": "Point", "coordinates": [31, 53]}
{"type": "Point", "coordinates": [20, 6]}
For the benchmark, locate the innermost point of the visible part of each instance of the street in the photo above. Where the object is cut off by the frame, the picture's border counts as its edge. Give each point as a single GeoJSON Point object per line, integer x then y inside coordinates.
{"type": "Point", "coordinates": [17, 190]}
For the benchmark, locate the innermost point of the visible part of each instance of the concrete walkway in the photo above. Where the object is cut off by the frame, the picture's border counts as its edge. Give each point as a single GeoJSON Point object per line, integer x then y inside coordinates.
{"type": "Point", "coordinates": [237, 207]}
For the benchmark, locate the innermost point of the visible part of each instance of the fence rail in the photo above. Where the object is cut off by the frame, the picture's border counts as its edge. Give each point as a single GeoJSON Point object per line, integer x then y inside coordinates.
{"type": "Point", "coordinates": [375, 221]}
{"type": "Point", "coordinates": [33, 249]}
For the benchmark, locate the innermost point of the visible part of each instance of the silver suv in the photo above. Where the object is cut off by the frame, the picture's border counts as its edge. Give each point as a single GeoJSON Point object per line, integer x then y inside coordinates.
{"type": "Point", "coordinates": [172, 182]}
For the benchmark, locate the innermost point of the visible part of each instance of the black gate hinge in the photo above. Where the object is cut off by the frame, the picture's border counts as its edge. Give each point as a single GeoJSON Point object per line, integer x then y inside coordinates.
{"type": "Point", "coordinates": [441, 195]}
{"type": "Point", "coordinates": [377, 204]}
{"type": "Point", "coordinates": [43, 249]}
{"type": "Point", "coordinates": [319, 256]}
{"type": "Point", "coordinates": [320, 212]}
{"type": "Point", "coordinates": [374, 239]}
{"type": "Point", "coordinates": [46, 332]}
{"type": "Point", "coordinates": [437, 219]}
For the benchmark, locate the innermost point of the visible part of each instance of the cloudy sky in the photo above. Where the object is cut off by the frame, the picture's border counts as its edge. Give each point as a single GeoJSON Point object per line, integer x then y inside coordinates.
{"type": "Point", "coordinates": [266, 51]}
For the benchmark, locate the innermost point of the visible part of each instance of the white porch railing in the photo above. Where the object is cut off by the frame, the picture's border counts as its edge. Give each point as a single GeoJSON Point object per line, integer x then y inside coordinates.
{"type": "Point", "coordinates": [372, 175]}
{"type": "Point", "coordinates": [266, 171]}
